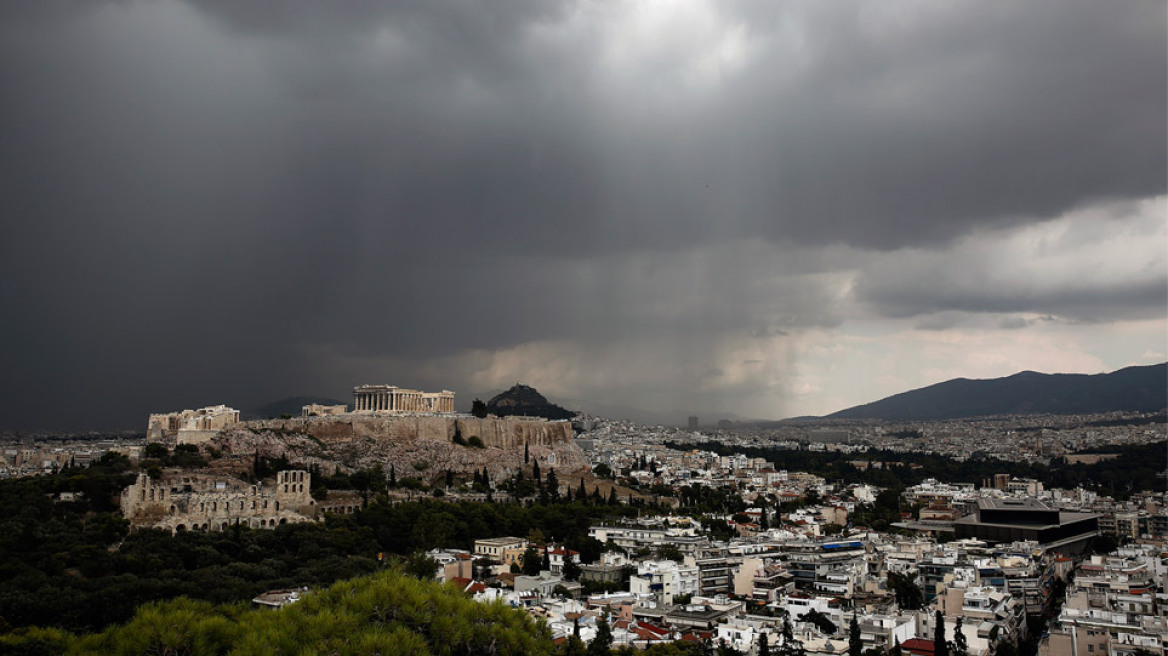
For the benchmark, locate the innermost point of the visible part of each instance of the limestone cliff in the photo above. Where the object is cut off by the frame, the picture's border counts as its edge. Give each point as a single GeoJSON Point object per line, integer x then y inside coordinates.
{"type": "Point", "coordinates": [422, 446]}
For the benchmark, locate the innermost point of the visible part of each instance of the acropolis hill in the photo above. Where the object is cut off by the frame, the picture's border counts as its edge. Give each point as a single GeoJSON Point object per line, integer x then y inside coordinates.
{"type": "Point", "coordinates": [422, 446]}
{"type": "Point", "coordinates": [414, 431]}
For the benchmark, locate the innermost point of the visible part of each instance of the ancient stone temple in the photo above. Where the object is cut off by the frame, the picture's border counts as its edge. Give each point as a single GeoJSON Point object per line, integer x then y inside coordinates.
{"type": "Point", "coordinates": [390, 399]}
{"type": "Point", "coordinates": [191, 426]}
{"type": "Point", "coordinates": [182, 501]}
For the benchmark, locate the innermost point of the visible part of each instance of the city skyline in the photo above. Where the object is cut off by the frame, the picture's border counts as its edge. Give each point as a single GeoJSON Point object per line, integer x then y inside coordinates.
{"type": "Point", "coordinates": [706, 208]}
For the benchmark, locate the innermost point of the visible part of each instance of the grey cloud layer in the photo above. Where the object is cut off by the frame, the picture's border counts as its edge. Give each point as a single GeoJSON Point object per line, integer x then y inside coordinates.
{"type": "Point", "coordinates": [198, 192]}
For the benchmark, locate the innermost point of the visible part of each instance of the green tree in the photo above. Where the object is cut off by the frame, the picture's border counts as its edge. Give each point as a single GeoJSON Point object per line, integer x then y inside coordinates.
{"type": "Point", "coordinates": [601, 645]}
{"type": "Point", "coordinates": [1010, 649]}
{"type": "Point", "coordinates": [156, 451]}
{"type": "Point", "coordinates": [531, 562]}
{"type": "Point", "coordinates": [571, 570]}
{"type": "Point", "coordinates": [940, 645]}
{"type": "Point", "coordinates": [764, 647]}
{"type": "Point", "coordinates": [960, 647]}
{"type": "Point", "coordinates": [821, 621]}
{"type": "Point", "coordinates": [388, 613]}
{"type": "Point", "coordinates": [553, 483]}
{"type": "Point", "coordinates": [573, 646]}
{"type": "Point", "coordinates": [420, 566]}
{"type": "Point", "coordinates": [908, 594]}
{"type": "Point", "coordinates": [855, 644]}
{"type": "Point", "coordinates": [478, 409]}
{"type": "Point", "coordinates": [791, 646]}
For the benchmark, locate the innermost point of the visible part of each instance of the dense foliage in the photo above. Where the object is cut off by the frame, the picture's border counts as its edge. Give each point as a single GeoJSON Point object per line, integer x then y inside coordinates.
{"type": "Point", "coordinates": [386, 613]}
{"type": "Point", "coordinates": [76, 565]}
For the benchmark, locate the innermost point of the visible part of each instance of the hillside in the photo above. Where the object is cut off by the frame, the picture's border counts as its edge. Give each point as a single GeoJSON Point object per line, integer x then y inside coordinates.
{"type": "Point", "coordinates": [1134, 389]}
{"type": "Point", "coordinates": [524, 400]}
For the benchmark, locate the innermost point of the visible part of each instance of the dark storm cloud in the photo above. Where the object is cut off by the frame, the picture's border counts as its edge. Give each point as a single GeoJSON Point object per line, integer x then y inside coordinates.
{"type": "Point", "coordinates": [1100, 265]}
{"type": "Point", "coordinates": [196, 193]}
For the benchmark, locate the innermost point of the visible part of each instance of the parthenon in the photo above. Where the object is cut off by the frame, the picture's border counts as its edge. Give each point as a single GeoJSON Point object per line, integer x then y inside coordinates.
{"type": "Point", "coordinates": [393, 399]}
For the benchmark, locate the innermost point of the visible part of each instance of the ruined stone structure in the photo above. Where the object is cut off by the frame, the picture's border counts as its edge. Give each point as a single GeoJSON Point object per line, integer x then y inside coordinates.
{"type": "Point", "coordinates": [188, 501]}
{"type": "Point", "coordinates": [318, 410]}
{"type": "Point", "coordinates": [392, 399]}
{"type": "Point", "coordinates": [191, 426]}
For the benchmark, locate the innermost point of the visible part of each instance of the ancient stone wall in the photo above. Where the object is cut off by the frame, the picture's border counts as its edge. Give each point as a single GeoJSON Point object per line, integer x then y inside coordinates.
{"type": "Point", "coordinates": [190, 501]}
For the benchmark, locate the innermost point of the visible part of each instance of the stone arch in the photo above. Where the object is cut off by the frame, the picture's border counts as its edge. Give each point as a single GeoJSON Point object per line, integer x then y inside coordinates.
{"type": "Point", "coordinates": [180, 527]}
{"type": "Point", "coordinates": [283, 520]}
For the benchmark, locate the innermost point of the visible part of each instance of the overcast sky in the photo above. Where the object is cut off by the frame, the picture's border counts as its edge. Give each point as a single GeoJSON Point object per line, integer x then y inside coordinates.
{"type": "Point", "coordinates": [770, 209]}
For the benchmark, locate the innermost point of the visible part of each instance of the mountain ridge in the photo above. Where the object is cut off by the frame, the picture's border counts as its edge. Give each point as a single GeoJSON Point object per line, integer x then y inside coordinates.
{"type": "Point", "coordinates": [1132, 389]}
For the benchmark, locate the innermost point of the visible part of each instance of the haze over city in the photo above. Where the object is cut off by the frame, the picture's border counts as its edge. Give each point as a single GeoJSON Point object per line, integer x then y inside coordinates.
{"type": "Point", "coordinates": [769, 210]}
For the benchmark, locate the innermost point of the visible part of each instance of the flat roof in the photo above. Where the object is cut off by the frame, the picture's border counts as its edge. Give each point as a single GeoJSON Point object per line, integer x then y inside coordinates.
{"type": "Point", "coordinates": [1026, 503]}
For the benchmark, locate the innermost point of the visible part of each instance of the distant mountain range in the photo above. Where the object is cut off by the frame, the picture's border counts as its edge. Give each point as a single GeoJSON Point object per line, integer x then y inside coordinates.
{"type": "Point", "coordinates": [1134, 389]}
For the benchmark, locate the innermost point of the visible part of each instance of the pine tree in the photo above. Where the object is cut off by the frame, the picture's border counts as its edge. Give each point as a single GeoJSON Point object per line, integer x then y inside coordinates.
{"type": "Point", "coordinates": [855, 644]}
{"type": "Point", "coordinates": [392, 476]}
{"type": "Point", "coordinates": [896, 651]}
{"type": "Point", "coordinates": [612, 498]}
{"type": "Point", "coordinates": [526, 453]}
{"type": "Point", "coordinates": [582, 493]}
{"type": "Point", "coordinates": [764, 647]}
{"type": "Point", "coordinates": [535, 473]}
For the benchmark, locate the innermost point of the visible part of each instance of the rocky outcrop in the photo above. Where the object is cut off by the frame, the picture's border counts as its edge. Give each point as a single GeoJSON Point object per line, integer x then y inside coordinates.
{"type": "Point", "coordinates": [422, 446]}
{"type": "Point", "coordinates": [524, 400]}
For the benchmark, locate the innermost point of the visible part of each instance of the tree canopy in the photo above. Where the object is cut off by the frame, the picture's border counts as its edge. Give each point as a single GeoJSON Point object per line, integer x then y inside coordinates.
{"type": "Point", "coordinates": [387, 613]}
